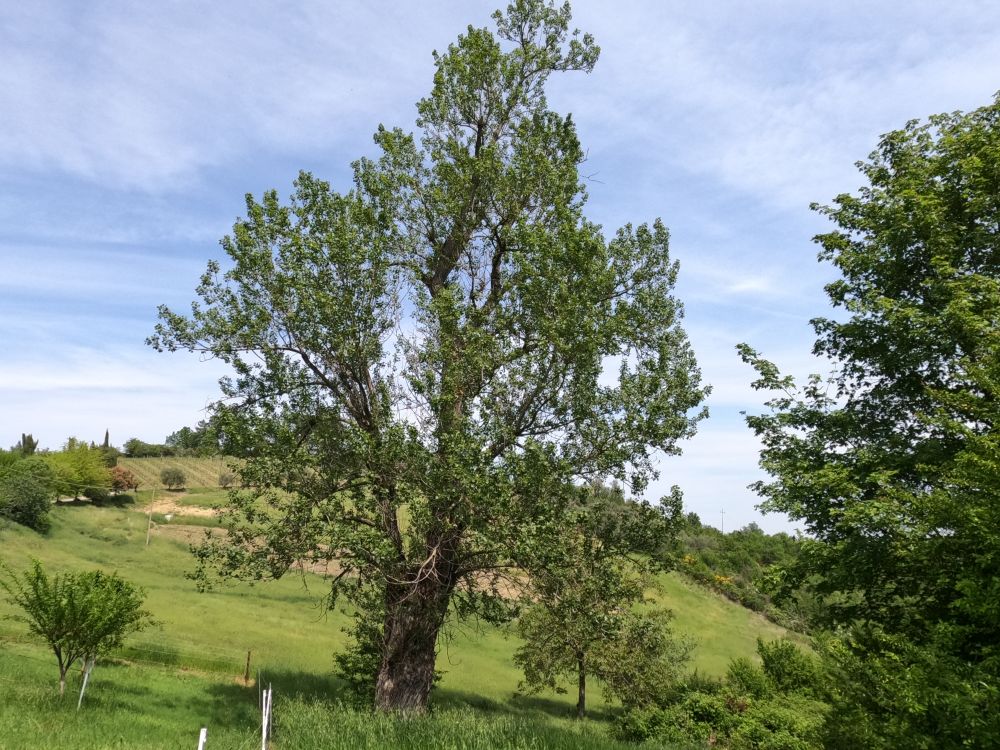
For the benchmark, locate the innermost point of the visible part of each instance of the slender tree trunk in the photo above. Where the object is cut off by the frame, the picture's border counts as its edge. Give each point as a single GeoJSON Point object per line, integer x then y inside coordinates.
{"type": "Point", "coordinates": [581, 701]}
{"type": "Point", "coordinates": [63, 669]}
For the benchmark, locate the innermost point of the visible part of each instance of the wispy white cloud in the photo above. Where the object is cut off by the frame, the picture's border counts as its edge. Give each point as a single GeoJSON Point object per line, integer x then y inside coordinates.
{"type": "Point", "coordinates": [778, 99]}
{"type": "Point", "coordinates": [130, 132]}
{"type": "Point", "coordinates": [145, 96]}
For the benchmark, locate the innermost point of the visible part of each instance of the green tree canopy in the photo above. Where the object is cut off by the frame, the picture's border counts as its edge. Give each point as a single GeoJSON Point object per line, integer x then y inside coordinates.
{"type": "Point", "coordinates": [80, 615]}
{"type": "Point", "coordinates": [173, 478]}
{"type": "Point", "coordinates": [27, 489]}
{"type": "Point", "coordinates": [582, 620]}
{"type": "Point", "coordinates": [79, 469]}
{"type": "Point", "coordinates": [891, 462]}
{"type": "Point", "coordinates": [436, 339]}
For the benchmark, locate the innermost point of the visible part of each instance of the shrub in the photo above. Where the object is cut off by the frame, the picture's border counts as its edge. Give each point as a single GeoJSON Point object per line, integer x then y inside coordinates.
{"type": "Point", "coordinates": [96, 495]}
{"type": "Point", "coordinates": [226, 479]}
{"type": "Point", "coordinates": [785, 723]}
{"type": "Point", "coordinates": [753, 709]}
{"type": "Point", "coordinates": [79, 615]}
{"type": "Point", "coordinates": [746, 678]}
{"type": "Point", "coordinates": [711, 711]}
{"type": "Point", "coordinates": [888, 692]}
{"type": "Point", "coordinates": [123, 480]}
{"type": "Point", "coordinates": [173, 478]}
{"type": "Point", "coordinates": [788, 669]}
{"type": "Point", "coordinates": [641, 723]}
{"type": "Point", "coordinates": [25, 500]}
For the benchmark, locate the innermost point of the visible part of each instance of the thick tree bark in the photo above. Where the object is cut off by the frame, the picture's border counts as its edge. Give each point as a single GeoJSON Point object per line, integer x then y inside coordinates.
{"type": "Point", "coordinates": [581, 701]}
{"type": "Point", "coordinates": [414, 615]}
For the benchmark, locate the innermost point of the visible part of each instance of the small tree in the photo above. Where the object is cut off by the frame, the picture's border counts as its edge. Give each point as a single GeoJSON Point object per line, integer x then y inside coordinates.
{"type": "Point", "coordinates": [123, 480]}
{"type": "Point", "coordinates": [226, 479]}
{"type": "Point", "coordinates": [173, 478]}
{"type": "Point", "coordinates": [586, 627]}
{"type": "Point", "coordinates": [80, 615]}
{"type": "Point", "coordinates": [583, 621]}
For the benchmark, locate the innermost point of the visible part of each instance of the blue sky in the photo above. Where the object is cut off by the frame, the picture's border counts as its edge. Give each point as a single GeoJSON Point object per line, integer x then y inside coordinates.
{"type": "Point", "coordinates": [129, 133]}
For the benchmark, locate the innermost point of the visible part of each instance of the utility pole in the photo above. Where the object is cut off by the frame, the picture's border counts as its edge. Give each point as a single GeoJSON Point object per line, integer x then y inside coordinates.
{"type": "Point", "coordinates": [723, 514]}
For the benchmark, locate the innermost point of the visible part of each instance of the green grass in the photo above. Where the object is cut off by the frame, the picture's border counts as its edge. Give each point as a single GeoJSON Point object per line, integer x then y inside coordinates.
{"type": "Point", "coordinates": [187, 672]}
{"type": "Point", "coordinates": [315, 726]}
{"type": "Point", "coordinates": [125, 706]}
{"type": "Point", "coordinates": [722, 629]}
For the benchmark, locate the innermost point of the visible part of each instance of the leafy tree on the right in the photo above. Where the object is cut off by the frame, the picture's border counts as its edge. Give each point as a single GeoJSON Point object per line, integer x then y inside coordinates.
{"type": "Point", "coordinates": [893, 461]}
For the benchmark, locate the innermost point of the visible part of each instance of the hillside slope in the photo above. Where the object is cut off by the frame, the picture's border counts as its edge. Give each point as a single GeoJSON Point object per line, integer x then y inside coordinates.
{"type": "Point", "coordinates": [206, 637]}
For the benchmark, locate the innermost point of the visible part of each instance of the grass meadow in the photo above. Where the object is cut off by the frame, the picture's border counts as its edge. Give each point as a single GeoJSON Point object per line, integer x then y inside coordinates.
{"type": "Point", "coordinates": [188, 671]}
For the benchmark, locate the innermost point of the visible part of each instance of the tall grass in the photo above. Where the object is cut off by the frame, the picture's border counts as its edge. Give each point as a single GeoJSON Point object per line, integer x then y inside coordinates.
{"type": "Point", "coordinates": [169, 681]}
{"type": "Point", "coordinates": [303, 725]}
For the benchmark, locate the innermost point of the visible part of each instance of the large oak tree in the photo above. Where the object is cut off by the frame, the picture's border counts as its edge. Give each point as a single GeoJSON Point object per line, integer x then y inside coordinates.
{"type": "Point", "coordinates": [425, 364]}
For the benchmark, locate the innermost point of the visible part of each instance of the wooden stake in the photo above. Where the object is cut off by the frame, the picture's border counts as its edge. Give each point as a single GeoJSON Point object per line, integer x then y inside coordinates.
{"type": "Point", "coordinates": [149, 521]}
{"type": "Point", "coordinates": [246, 672]}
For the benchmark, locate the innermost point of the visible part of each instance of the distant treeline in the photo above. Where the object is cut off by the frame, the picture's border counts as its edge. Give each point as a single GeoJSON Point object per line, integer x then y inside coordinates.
{"type": "Point", "coordinates": [203, 440]}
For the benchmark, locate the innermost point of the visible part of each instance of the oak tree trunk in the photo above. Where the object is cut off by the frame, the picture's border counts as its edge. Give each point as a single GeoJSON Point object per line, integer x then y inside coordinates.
{"type": "Point", "coordinates": [581, 701]}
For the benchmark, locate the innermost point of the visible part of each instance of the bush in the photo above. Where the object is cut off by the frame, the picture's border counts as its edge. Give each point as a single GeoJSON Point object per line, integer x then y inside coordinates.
{"type": "Point", "coordinates": [226, 479]}
{"type": "Point", "coordinates": [746, 678]}
{"type": "Point", "coordinates": [785, 723]}
{"type": "Point", "coordinates": [123, 480]}
{"type": "Point", "coordinates": [709, 713]}
{"type": "Point", "coordinates": [888, 692]}
{"type": "Point", "coordinates": [173, 478]}
{"type": "Point", "coordinates": [755, 708]}
{"type": "Point", "coordinates": [96, 495]}
{"type": "Point", "coordinates": [642, 723]}
{"type": "Point", "coordinates": [788, 669]}
{"type": "Point", "coordinates": [25, 500]}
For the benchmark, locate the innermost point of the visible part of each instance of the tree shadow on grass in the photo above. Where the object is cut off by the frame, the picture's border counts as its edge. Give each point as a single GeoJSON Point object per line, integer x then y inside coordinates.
{"type": "Point", "coordinates": [305, 685]}
{"type": "Point", "coordinates": [328, 688]}
{"type": "Point", "coordinates": [115, 501]}
{"type": "Point", "coordinates": [109, 501]}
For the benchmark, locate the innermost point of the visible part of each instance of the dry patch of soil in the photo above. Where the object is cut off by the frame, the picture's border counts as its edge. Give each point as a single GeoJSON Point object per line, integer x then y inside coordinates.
{"type": "Point", "coordinates": [169, 504]}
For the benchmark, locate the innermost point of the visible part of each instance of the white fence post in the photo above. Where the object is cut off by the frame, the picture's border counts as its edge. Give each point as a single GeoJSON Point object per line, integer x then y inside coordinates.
{"type": "Point", "coordinates": [202, 738]}
{"type": "Point", "coordinates": [265, 724]}
{"type": "Point", "coordinates": [88, 666]}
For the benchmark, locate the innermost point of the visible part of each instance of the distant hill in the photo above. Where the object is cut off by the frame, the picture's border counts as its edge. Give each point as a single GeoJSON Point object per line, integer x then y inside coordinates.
{"type": "Point", "coordinates": [200, 472]}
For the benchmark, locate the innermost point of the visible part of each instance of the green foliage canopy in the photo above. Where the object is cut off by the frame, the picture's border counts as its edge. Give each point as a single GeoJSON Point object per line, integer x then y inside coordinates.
{"type": "Point", "coordinates": [891, 462]}
{"type": "Point", "coordinates": [79, 615]}
{"type": "Point", "coordinates": [27, 489]}
{"type": "Point", "coordinates": [172, 477]}
{"type": "Point", "coordinates": [435, 339]}
{"type": "Point", "coordinates": [79, 469]}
